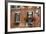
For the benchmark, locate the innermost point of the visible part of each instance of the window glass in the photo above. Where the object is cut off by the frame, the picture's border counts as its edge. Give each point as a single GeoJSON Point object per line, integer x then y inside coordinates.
{"type": "Point", "coordinates": [17, 17]}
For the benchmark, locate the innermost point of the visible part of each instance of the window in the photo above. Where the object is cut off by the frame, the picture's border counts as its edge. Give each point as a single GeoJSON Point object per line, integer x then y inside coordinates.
{"type": "Point", "coordinates": [17, 17]}
{"type": "Point", "coordinates": [29, 15]}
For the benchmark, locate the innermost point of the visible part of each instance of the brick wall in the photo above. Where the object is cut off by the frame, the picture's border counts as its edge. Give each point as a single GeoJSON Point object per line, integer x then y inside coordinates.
{"type": "Point", "coordinates": [23, 16]}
